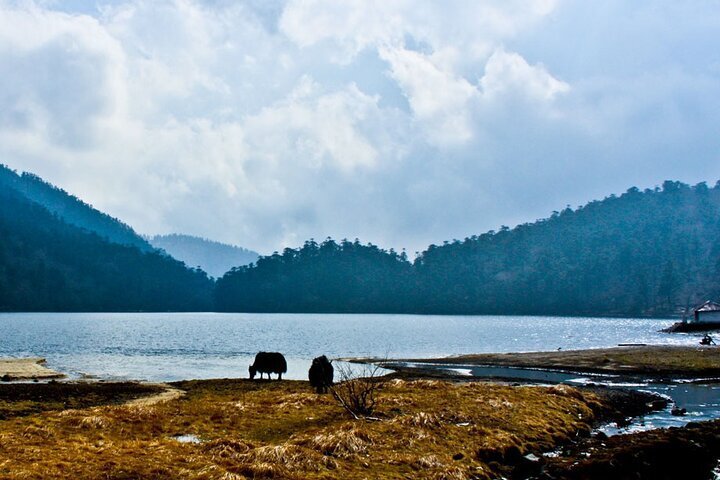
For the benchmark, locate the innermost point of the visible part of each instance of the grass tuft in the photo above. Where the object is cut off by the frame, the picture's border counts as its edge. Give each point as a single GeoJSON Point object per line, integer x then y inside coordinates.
{"type": "Point", "coordinates": [421, 419]}
{"type": "Point", "coordinates": [342, 443]}
{"type": "Point", "coordinates": [427, 461]}
{"type": "Point", "coordinates": [225, 448]}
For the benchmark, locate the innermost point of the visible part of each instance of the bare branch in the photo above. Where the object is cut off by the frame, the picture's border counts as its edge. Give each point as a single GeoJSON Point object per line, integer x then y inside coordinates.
{"type": "Point", "coordinates": [357, 393]}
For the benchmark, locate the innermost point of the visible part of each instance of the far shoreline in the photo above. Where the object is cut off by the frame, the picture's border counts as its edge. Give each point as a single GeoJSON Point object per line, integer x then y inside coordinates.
{"type": "Point", "coordinates": [419, 314]}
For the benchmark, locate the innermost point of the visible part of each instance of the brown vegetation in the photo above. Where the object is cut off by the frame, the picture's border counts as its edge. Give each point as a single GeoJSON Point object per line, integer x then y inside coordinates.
{"type": "Point", "coordinates": [688, 453]}
{"type": "Point", "coordinates": [21, 399]}
{"type": "Point", "coordinates": [424, 429]}
{"type": "Point", "coordinates": [647, 360]}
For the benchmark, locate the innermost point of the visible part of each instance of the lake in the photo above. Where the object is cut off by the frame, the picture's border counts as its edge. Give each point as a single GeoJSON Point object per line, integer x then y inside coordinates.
{"type": "Point", "coordinates": [175, 346]}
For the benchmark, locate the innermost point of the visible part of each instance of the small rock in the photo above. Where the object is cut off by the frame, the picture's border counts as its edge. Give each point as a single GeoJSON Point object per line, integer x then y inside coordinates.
{"type": "Point", "coordinates": [677, 411]}
{"type": "Point", "coordinates": [532, 457]}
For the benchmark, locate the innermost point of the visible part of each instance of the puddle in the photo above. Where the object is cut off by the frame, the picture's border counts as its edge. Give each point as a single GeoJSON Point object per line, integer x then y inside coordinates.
{"type": "Point", "coordinates": [515, 373]}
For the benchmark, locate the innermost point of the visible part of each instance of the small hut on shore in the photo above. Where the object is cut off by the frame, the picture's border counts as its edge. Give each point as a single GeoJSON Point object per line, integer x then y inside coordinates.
{"type": "Point", "coordinates": [708, 312]}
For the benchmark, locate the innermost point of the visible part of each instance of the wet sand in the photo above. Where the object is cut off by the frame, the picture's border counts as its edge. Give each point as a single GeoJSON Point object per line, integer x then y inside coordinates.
{"type": "Point", "coordinates": [26, 369]}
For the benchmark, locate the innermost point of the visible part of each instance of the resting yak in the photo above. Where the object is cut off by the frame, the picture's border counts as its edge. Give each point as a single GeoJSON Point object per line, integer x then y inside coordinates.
{"type": "Point", "coordinates": [321, 374]}
{"type": "Point", "coordinates": [268, 362]}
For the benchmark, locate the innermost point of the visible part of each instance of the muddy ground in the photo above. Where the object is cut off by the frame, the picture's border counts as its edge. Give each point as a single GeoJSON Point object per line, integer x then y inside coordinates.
{"type": "Point", "coordinates": [691, 452]}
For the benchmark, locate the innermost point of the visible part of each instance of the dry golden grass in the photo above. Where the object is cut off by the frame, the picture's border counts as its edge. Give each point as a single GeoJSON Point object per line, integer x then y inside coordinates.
{"type": "Point", "coordinates": [283, 430]}
{"type": "Point", "coordinates": [659, 360]}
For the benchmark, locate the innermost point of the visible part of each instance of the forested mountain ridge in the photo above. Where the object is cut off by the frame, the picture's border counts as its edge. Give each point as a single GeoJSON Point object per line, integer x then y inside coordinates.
{"type": "Point", "coordinates": [70, 208]}
{"type": "Point", "coordinates": [645, 253]}
{"type": "Point", "coordinates": [652, 252]}
{"type": "Point", "coordinates": [215, 258]}
{"type": "Point", "coordinates": [326, 277]}
{"type": "Point", "coordinates": [47, 264]}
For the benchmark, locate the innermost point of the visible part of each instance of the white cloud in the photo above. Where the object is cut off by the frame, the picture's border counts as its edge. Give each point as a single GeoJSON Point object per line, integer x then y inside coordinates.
{"type": "Point", "coordinates": [265, 123]}
{"type": "Point", "coordinates": [510, 74]}
{"type": "Point", "coordinates": [355, 25]}
{"type": "Point", "coordinates": [439, 99]}
{"type": "Point", "coordinates": [316, 130]}
{"type": "Point", "coordinates": [61, 79]}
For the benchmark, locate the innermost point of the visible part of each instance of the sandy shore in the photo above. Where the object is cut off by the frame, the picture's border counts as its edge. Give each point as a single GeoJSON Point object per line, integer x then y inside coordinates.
{"type": "Point", "coordinates": [26, 369]}
{"type": "Point", "coordinates": [675, 361]}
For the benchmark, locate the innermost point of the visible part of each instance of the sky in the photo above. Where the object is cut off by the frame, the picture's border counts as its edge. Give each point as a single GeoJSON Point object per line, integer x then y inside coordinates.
{"type": "Point", "coordinates": [264, 123]}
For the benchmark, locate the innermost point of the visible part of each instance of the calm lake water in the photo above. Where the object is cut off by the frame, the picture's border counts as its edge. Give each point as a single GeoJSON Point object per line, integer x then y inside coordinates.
{"type": "Point", "coordinates": [174, 346]}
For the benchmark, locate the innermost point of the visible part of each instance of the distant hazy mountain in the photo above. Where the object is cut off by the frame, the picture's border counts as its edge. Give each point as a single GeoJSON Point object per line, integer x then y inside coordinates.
{"type": "Point", "coordinates": [213, 257]}
{"type": "Point", "coordinates": [70, 209]}
{"type": "Point", "coordinates": [47, 264]}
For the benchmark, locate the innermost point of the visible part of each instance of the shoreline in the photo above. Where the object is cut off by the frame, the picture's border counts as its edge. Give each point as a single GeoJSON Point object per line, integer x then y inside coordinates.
{"type": "Point", "coordinates": [688, 451]}
{"type": "Point", "coordinates": [421, 428]}
{"type": "Point", "coordinates": [448, 423]}
{"type": "Point", "coordinates": [32, 368]}
{"type": "Point", "coordinates": [657, 361]}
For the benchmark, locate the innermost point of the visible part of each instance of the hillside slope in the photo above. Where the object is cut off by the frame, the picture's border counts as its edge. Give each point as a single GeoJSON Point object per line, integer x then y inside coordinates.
{"type": "Point", "coordinates": [70, 208]}
{"type": "Point", "coordinates": [47, 264]}
{"type": "Point", "coordinates": [653, 252]}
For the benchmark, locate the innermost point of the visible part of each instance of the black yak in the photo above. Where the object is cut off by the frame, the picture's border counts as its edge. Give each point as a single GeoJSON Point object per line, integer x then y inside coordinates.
{"type": "Point", "coordinates": [268, 362]}
{"type": "Point", "coordinates": [321, 374]}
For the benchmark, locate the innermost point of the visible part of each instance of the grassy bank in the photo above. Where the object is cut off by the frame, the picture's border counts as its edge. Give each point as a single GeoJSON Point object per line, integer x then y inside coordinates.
{"type": "Point", "coordinates": [423, 429]}
{"type": "Point", "coordinates": [676, 361]}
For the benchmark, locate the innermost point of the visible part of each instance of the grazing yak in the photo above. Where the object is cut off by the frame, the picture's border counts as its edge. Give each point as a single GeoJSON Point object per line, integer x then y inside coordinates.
{"type": "Point", "coordinates": [268, 362]}
{"type": "Point", "coordinates": [321, 374]}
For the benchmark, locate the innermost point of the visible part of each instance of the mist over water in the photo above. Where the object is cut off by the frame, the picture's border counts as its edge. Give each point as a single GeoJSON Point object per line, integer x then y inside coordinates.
{"type": "Point", "coordinates": [175, 346]}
